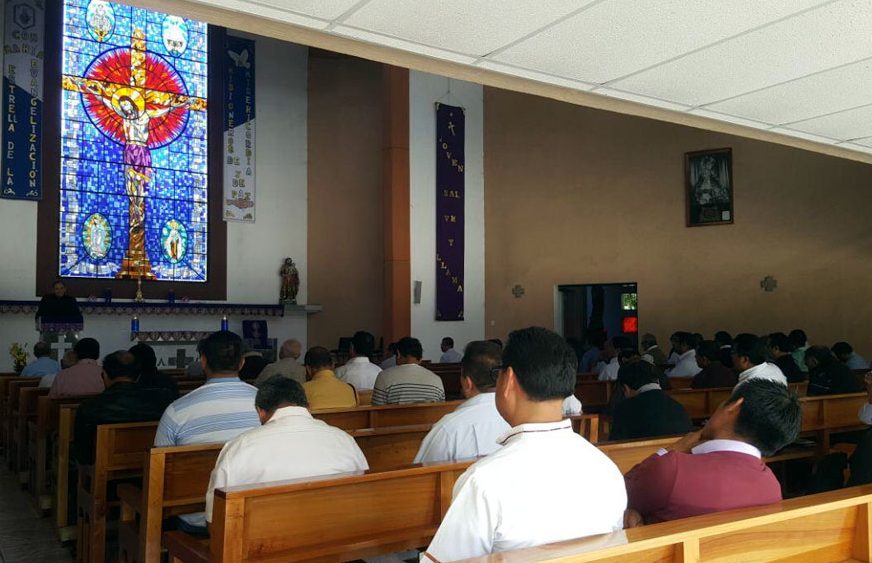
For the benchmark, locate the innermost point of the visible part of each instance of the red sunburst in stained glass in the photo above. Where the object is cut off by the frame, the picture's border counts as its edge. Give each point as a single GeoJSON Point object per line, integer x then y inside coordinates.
{"type": "Point", "coordinates": [114, 67]}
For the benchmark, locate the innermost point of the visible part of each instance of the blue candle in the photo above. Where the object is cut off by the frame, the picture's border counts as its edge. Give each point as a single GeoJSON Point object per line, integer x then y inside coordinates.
{"type": "Point", "coordinates": [225, 325]}
{"type": "Point", "coordinates": [134, 324]}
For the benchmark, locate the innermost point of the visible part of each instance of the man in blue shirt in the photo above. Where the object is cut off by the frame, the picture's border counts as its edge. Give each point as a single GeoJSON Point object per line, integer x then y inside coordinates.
{"type": "Point", "coordinates": [43, 364]}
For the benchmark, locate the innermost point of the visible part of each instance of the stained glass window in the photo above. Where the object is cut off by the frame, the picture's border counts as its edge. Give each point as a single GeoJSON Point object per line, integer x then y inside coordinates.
{"type": "Point", "coordinates": [133, 186]}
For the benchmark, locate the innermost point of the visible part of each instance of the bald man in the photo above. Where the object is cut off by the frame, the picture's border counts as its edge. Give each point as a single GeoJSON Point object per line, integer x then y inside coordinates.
{"type": "Point", "coordinates": [287, 366]}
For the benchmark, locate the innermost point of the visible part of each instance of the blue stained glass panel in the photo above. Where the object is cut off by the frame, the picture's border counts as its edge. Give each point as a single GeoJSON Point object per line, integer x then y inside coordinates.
{"type": "Point", "coordinates": [134, 174]}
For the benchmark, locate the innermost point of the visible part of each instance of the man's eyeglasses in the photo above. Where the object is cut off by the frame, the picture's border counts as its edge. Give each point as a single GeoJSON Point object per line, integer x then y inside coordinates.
{"type": "Point", "coordinates": [495, 372]}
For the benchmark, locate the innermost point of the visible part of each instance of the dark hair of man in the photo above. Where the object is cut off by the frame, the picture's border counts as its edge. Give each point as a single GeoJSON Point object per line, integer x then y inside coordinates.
{"type": "Point", "coordinates": [648, 340]}
{"type": "Point", "coordinates": [279, 391]}
{"type": "Point", "coordinates": [697, 338]}
{"type": "Point", "coordinates": [410, 347]}
{"type": "Point", "coordinates": [87, 349]}
{"type": "Point", "coordinates": [628, 354]}
{"type": "Point", "coordinates": [496, 341]}
{"type": "Point", "coordinates": [751, 346]}
{"type": "Point", "coordinates": [479, 359]}
{"type": "Point", "coordinates": [392, 348]}
{"type": "Point", "coordinates": [723, 338]}
{"type": "Point", "coordinates": [448, 341]}
{"type": "Point", "coordinates": [146, 357]}
{"type": "Point", "coordinates": [839, 349]}
{"type": "Point", "coordinates": [798, 338]}
{"type": "Point", "coordinates": [363, 342]}
{"type": "Point", "coordinates": [821, 354]}
{"type": "Point", "coordinates": [121, 364]}
{"type": "Point", "coordinates": [781, 341]}
{"type": "Point", "coordinates": [636, 374]}
{"type": "Point", "coordinates": [318, 357]}
{"type": "Point", "coordinates": [543, 362]}
{"type": "Point", "coordinates": [709, 349]}
{"type": "Point", "coordinates": [59, 282]}
{"type": "Point", "coordinates": [223, 351]}
{"type": "Point", "coordinates": [622, 343]}
{"type": "Point", "coordinates": [41, 349]}
{"type": "Point", "coordinates": [684, 338]}
{"type": "Point", "coordinates": [770, 416]}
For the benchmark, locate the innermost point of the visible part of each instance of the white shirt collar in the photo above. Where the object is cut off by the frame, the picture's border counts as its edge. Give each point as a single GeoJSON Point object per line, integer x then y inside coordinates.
{"type": "Point", "coordinates": [287, 412]}
{"type": "Point", "coordinates": [651, 348]}
{"type": "Point", "coordinates": [533, 428]}
{"type": "Point", "coordinates": [727, 446]}
{"type": "Point", "coordinates": [649, 387]}
{"type": "Point", "coordinates": [687, 354]}
{"type": "Point", "coordinates": [358, 360]}
{"type": "Point", "coordinates": [614, 360]}
{"type": "Point", "coordinates": [487, 397]}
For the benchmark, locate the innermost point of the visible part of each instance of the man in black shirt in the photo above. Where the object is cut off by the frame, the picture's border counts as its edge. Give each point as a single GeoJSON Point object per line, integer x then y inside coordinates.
{"type": "Point", "coordinates": [58, 307]}
{"type": "Point", "coordinates": [828, 376]}
{"type": "Point", "coordinates": [781, 351]}
{"type": "Point", "coordinates": [647, 411]}
{"type": "Point", "coordinates": [122, 401]}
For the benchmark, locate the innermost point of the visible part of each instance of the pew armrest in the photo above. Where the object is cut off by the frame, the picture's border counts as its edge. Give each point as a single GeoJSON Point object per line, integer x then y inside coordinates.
{"type": "Point", "coordinates": [185, 547]}
{"type": "Point", "coordinates": [130, 497]}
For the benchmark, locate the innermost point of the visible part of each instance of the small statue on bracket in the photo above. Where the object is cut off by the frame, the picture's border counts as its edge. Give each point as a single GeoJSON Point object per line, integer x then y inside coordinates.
{"type": "Point", "coordinates": [290, 282]}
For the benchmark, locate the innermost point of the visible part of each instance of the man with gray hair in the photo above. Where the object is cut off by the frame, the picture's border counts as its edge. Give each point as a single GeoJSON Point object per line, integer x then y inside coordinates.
{"type": "Point", "coordinates": [43, 364]}
{"type": "Point", "coordinates": [651, 352]}
{"type": "Point", "coordinates": [290, 444]}
{"type": "Point", "coordinates": [287, 366]}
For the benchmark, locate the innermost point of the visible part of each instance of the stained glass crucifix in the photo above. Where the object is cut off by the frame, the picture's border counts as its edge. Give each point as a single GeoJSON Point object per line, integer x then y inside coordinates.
{"type": "Point", "coordinates": [136, 99]}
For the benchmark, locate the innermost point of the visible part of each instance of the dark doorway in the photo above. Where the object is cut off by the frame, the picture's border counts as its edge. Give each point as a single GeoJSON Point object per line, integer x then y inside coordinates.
{"type": "Point", "coordinates": [600, 311]}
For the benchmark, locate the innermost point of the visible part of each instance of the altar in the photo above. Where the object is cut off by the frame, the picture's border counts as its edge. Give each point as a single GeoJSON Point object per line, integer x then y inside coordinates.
{"type": "Point", "coordinates": [173, 329]}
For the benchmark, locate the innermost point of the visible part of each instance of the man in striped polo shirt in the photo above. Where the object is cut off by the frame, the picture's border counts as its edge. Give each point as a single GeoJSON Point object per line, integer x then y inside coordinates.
{"type": "Point", "coordinates": [217, 411]}
{"type": "Point", "coordinates": [408, 382]}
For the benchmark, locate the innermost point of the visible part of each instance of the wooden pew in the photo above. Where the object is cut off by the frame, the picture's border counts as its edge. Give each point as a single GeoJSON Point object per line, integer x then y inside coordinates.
{"type": "Point", "coordinates": [322, 519]}
{"type": "Point", "coordinates": [12, 418]}
{"type": "Point", "coordinates": [5, 380]}
{"type": "Point", "coordinates": [385, 415]}
{"type": "Point", "coordinates": [364, 398]}
{"type": "Point", "coordinates": [24, 415]}
{"type": "Point", "coordinates": [450, 376]}
{"type": "Point", "coordinates": [701, 403]}
{"type": "Point", "coordinates": [680, 382]}
{"type": "Point", "coordinates": [60, 471]}
{"type": "Point", "coordinates": [594, 395]}
{"type": "Point", "coordinates": [833, 526]}
{"type": "Point", "coordinates": [825, 415]}
{"type": "Point", "coordinates": [119, 450]}
{"type": "Point", "coordinates": [41, 443]}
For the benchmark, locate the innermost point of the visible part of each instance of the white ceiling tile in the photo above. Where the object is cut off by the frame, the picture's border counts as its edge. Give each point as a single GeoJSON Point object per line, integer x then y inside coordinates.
{"type": "Point", "coordinates": [867, 142]}
{"type": "Point", "coordinates": [533, 75]}
{"type": "Point", "coordinates": [852, 124]}
{"type": "Point", "coordinates": [324, 9]}
{"type": "Point", "coordinates": [829, 36]}
{"type": "Point", "coordinates": [807, 136]}
{"type": "Point", "coordinates": [612, 93]}
{"type": "Point", "coordinates": [730, 118]}
{"type": "Point", "coordinates": [827, 92]}
{"type": "Point", "coordinates": [618, 37]}
{"type": "Point", "coordinates": [267, 11]}
{"type": "Point", "coordinates": [401, 44]}
{"type": "Point", "coordinates": [474, 27]}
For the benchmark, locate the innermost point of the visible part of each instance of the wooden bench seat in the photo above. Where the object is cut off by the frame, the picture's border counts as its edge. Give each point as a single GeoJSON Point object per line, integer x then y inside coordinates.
{"type": "Point", "coordinates": [5, 381]}
{"type": "Point", "coordinates": [833, 526]}
{"type": "Point", "coordinates": [16, 435]}
{"type": "Point", "coordinates": [385, 415]}
{"type": "Point", "coordinates": [323, 518]}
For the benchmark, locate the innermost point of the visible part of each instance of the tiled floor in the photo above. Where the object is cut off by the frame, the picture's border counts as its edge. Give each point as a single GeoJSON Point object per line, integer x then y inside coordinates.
{"type": "Point", "coordinates": [24, 536]}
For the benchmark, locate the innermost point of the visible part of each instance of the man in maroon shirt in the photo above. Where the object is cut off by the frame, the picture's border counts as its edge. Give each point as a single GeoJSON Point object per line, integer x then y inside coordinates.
{"type": "Point", "coordinates": [719, 467]}
{"type": "Point", "coordinates": [714, 374]}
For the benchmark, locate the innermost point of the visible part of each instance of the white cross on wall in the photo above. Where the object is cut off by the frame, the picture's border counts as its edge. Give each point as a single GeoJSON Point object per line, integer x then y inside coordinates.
{"type": "Point", "coordinates": [60, 348]}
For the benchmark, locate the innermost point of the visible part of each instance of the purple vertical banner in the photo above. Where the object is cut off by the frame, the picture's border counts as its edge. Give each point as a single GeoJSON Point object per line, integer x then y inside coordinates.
{"type": "Point", "coordinates": [450, 195]}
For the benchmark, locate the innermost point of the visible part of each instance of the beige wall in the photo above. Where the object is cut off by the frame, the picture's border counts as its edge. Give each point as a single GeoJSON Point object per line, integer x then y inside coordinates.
{"type": "Point", "coordinates": [575, 195]}
{"type": "Point", "coordinates": [345, 243]}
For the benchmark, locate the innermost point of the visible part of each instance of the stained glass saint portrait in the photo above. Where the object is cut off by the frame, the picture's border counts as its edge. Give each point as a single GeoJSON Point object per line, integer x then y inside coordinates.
{"type": "Point", "coordinates": [134, 147]}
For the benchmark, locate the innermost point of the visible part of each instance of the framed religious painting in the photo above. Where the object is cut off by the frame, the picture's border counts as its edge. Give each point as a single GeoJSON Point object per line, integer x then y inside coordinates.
{"type": "Point", "coordinates": [708, 177]}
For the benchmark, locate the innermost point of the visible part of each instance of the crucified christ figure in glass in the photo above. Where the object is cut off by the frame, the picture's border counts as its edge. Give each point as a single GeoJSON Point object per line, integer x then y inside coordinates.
{"type": "Point", "coordinates": [137, 115]}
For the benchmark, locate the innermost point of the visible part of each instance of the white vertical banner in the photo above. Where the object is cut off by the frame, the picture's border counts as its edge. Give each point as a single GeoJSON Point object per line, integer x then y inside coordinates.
{"type": "Point", "coordinates": [239, 131]}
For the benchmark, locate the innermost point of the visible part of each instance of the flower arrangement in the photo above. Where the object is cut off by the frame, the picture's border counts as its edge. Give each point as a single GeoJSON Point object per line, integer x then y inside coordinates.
{"type": "Point", "coordinates": [19, 356]}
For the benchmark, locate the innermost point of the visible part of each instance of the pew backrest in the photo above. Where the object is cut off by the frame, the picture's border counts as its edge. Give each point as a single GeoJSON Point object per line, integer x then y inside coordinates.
{"type": "Point", "coordinates": [385, 415]}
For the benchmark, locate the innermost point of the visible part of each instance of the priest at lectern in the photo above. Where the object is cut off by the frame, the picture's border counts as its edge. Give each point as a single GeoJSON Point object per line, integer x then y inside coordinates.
{"type": "Point", "coordinates": [58, 307]}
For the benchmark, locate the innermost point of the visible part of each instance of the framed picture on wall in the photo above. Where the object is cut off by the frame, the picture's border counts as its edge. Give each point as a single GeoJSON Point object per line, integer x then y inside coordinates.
{"type": "Point", "coordinates": [709, 187]}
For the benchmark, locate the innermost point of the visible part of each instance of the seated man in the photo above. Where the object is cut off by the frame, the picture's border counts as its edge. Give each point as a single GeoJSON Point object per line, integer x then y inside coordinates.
{"type": "Point", "coordinates": [407, 382]}
{"type": "Point", "coordinates": [799, 342]}
{"type": "Point", "coordinates": [842, 350]}
{"type": "Point", "coordinates": [43, 364]}
{"type": "Point", "coordinates": [390, 359]}
{"type": "Point", "coordinates": [324, 390]}
{"type": "Point", "coordinates": [528, 492]}
{"type": "Point", "coordinates": [473, 428]}
{"type": "Point", "coordinates": [149, 376]}
{"type": "Point", "coordinates": [651, 352]}
{"type": "Point", "coordinates": [685, 363]}
{"type": "Point", "coordinates": [828, 376]}
{"type": "Point", "coordinates": [781, 351]}
{"type": "Point", "coordinates": [613, 347]}
{"type": "Point", "coordinates": [122, 401]}
{"type": "Point", "coordinates": [359, 371]}
{"type": "Point", "coordinates": [714, 374]}
{"type": "Point", "coordinates": [725, 343]}
{"type": "Point", "coordinates": [749, 360]}
{"type": "Point", "coordinates": [84, 378]}
{"type": "Point", "coordinates": [719, 467]}
{"type": "Point", "coordinates": [647, 411]}
{"type": "Point", "coordinates": [290, 444]}
{"type": "Point", "coordinates": [449, 354]}
{"type": "Point", "coordinates": [287, 365]}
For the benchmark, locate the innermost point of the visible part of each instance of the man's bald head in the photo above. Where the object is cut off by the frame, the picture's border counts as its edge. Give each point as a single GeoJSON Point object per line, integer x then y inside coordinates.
{"type": "Point", "coordinates": [291, 349]}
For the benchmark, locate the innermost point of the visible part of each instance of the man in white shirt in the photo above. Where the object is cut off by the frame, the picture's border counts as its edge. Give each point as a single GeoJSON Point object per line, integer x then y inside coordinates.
{"type": "Point", "coordinates": [287, 366]}
{"type": "Point", "coordinates": [528, 492]}
{"type": "Point", "coordinates": [449, 354]}
{"type": "Point", "coordinates": [473, 428]}
{"type": "Point", "coordinates": [749, 359]}
{"type": "Point", "coordinates": [408, 382]}
{"type": "Point", "coordinates": [611, 349]}
{"type": "Point", "coordinates": [359, 372]}
{"type": "Point", "coordinates": [290, 444]}
{"type": "Point", "coordinates": [685, 365]}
